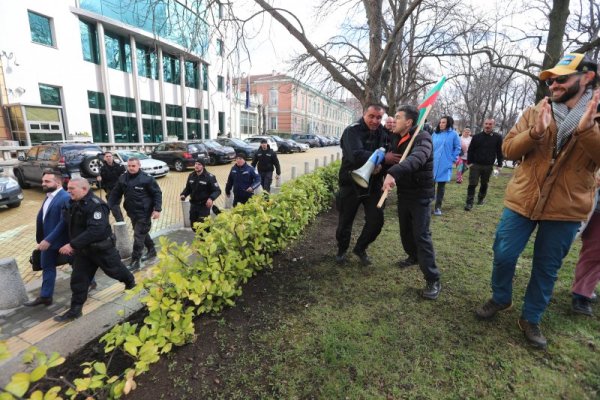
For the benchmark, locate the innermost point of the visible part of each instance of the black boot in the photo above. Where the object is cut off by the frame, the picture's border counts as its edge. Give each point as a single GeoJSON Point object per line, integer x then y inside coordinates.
{"type": "Point", "coordinates": [72, 313]}
{"type": "Point", "coordinates": [149, 255]}
{"type": "Point", "coordinates": [135, 264]}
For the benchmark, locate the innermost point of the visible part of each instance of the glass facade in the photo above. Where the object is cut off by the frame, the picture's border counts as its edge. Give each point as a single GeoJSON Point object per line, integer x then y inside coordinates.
{"type": "Point", "coordinates": [50, 95]}
{"type": "Point", "coordinates": [204, 77]}
{"type": "Point", "coordinates": [192, 113]}
{"type": "Point", "coordinates": [125, 104]}
{"type": "Point", "coordinates": [89, 42]}
{"type": "Point", "coordinates": [220, 48]}
{"type": "Point", "coordinates": [191, 74]}
{"type": "Point", "coordinates": [41, 29]}
{"type": "Point", "coordinates": [220, 83]}
{"type": "Point", "coordinates": [175, 128]}
{"type": "Point", "coordinates": [99, 128]}
{"type": "Point", "coordinates": [118, 52]}
{"type": "Point", "coordinates": [152, 130]}
{"type": "Point", "coordinates": [147, 61]}
{"type": "Point", "coordinates": [248, 123]}
{"type": "Point", "coordinates": [169, 19]}
{"type": "Point", "coordinates": [174, 111]}
{"type": "Point", "coordinates": [125, 129]}
{"type": "Point", "coordinates": [171, 72]}
{"type": "Point", "coordinates": [96, 100]}
{"type": "Point", "coordinates": [150, 107]}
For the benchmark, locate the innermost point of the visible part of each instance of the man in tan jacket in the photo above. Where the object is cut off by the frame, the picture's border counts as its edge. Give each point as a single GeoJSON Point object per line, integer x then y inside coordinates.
{"type": "Point", "coordinates": [558, 143]}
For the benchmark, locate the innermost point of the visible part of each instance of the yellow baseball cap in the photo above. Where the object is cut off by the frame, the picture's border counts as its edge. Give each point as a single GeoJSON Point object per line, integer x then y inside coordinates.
{"type": "Point", "coordinates": [570, 64]}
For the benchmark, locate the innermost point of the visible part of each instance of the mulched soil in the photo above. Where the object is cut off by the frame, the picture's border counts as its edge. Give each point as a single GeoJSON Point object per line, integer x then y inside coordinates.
{"type": "Point", "coordinates": [223, 337]}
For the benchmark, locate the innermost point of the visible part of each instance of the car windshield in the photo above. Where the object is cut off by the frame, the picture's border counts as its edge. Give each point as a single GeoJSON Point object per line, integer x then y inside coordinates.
{"type": "Point", "coordinates": [73, 150]}
{"type": "Point", "coordinates": [253, 140]}
{"type": "Point", "coordinates": [212, 145]}
{"type": "Point", "coordinates": [126, 155]}
{"type": "Point", "coordinates": [238, 142]}
{"type": "Point", "coordinates": [196, 147]}
{"type": "Point", "coordinates": [277, 138]}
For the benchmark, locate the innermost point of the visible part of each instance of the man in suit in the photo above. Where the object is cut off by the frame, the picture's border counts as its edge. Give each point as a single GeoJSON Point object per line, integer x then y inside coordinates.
{"type": "Point", "coordinates": [50, 234]}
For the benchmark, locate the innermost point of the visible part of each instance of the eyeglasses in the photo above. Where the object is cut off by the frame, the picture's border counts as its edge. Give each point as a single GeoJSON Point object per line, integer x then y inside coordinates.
{"type": "Point", "coordinates": [559, 79]}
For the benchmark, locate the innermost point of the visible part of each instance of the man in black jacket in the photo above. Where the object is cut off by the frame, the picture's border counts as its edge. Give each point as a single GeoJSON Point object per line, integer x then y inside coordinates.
{"type": "Point", "coordinates": [267, 161]}
{"type": "Point", "coordinates": [413, 179]}
{"type": "Point", "coordinates": [485, 148]}
{"type": "Point", "coordinates": [203, 189]}
{"type": "Point", "coordinates": [109, 175]}
{"type": "Point", "coordinates": [143, 202]}
{"type": "Point", "coordinates": [91, 243]}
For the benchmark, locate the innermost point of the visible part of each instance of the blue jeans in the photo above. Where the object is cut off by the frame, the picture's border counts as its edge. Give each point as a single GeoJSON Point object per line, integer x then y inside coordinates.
{"type": "Point", "coordinates": [552, 243]}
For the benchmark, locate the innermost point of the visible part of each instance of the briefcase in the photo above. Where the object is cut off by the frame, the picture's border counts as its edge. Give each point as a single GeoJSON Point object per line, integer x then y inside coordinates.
{"type": "Point", "coordinates": [36, 260]}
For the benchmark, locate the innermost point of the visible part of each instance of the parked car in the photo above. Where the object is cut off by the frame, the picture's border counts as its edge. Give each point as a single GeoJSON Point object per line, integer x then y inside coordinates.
{"type": "Point", "coordinates": [180, 155]}
{"type": "Point", "coordinates": [155, 168]}
{"type": "Point", "coordinates": [73, 160]}
{"type": "Point", "coordinates": [239, 146]}
{"type": "Point", "coordinates": [334, 140]}
{"type": "Point", "coordinates": [307, 138]}
{"type": "Point", "coordinates": [285, 145]}
{"type": "Point", "coordinates": [218, 154]}
{"type": "Point", "coordinates": [255, 140]}
{"type": "Point", "coordinates": [11, 194]}
{"type": "Point", "coordinates": [324, 140]}
{"type": "Point", "coordinates": [303, 146]}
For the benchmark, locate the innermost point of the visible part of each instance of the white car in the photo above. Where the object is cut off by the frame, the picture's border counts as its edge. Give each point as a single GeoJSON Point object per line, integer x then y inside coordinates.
{"type": "Point", "coordinates": [255, 141]}
{"type": "Point", "coordinates": [152, 167]}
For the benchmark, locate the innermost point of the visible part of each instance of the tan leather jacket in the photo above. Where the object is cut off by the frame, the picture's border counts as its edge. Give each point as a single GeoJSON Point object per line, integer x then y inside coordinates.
{"type": "Point", "coordinates": [543, 188]}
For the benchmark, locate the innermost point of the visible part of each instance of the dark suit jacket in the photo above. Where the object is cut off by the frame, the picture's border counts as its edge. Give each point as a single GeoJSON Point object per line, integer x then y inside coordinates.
{"type": "Point", "coordinates": [53, 228]}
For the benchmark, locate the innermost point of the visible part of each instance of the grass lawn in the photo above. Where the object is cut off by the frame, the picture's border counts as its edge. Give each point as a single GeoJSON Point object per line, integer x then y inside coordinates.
{"type": "Point", "coordinates": [309, 328]}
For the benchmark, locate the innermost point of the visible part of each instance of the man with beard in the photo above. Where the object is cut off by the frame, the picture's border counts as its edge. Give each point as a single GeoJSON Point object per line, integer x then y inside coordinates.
{"type": "Point", "coordinates": [50, 234]}
{"type": "Point", "coordinates": [552, 190]}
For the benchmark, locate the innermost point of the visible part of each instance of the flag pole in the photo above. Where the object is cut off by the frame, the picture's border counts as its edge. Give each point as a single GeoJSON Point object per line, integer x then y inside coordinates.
{"type": "Point", "coordinates": [425, 108]}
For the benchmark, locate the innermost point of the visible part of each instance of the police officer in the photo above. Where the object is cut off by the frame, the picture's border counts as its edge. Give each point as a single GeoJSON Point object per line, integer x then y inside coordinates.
{"type": "Point", "coordinates": [203, 189]}
{"type": "Point", "coordinates": [243, 180]}
{"type": "Point", "coordinates": [267, 161]}
{"type": "Point", "coordinates": [91, 243]}
{"type": "Point", "coordinates": [143, 202]}
{"type": "Point", "coordinates": [358, 142]}
{"type": "Point", "coordinates": [109, 175]}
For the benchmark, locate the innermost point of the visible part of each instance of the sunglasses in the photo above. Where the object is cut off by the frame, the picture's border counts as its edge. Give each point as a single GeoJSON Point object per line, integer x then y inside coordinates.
{"type": "Point", "coordinates": [559, 79]}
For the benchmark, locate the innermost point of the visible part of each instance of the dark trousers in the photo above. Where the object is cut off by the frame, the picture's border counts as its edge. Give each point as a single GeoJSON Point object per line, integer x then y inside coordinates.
{"type": "Point", "coordinates": [439, 194]}
{"type": "Point", "coordinates": [242, 198]}
{"type": "Point", "coordinates": [348, 202]}
{"type": "Point", "coordinates": [141, 237]}
{"type": "Point", "coordinates": [85, 264]}
{"type": "Point", "coordinates": [116, 209]}
{"type": "Point", "coordinates": [266, 178]}
{"type": "Point", "coordinates": [198, 212]}
{"type": "Point", "coordinates": [414, 216]}
{"type": "Point", "coordinates": [478, 172]}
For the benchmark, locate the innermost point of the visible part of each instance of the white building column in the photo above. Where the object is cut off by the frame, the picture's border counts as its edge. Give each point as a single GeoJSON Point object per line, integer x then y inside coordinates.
{"type": "Point", "coordinates": [182, 96]}
{"type": "Point", "coordinates": [201, 99]}
{"type": "Point", "coordinates": [105, 83]}
{"type": "Point", "coordinates": [136, 90]}
{"type": "Point", "coordinates": [161, 91]}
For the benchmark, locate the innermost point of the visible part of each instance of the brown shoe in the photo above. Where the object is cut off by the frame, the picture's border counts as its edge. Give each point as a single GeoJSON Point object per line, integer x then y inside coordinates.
{"type": "Point", "coordinates": [533, 334]}
{"type": "Point", "coordinates": [39, 300]}
{"type": "Point", "coordinates": [490, 308]}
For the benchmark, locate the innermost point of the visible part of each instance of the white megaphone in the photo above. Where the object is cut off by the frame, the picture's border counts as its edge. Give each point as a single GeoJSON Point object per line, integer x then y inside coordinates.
{"type": "Point", "coordinates": [362, 175]}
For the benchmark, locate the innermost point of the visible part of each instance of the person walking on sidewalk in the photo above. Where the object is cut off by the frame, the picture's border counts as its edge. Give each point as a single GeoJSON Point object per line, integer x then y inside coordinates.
{"type": "Point", "coordinates": [413, 179]}
{"type": "Point", "coordinates": [243, 180]}
{"type": "Point", "coordinates": [485, 148]}
{"type": "Point", "coordinates": [91, 243]}
{"type": "Point", "coordinates": [143, 203]}
{"type": "Point", "coordinates": [110, 171]}
{"type": "Point", "coordinates": [266, 160]}
{"type": "Point", "coordinates": [203, 189]}
{"type": "Point", "coordinates": [552, 190]}
{"type": "Point", "coordinates": [50, 234]}
{"type": "Point", "coordinates": [446, 148]}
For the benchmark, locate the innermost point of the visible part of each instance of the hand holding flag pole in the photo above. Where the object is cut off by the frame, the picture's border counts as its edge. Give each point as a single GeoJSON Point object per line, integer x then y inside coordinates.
{"type": "Point", "coordinates": [424, 109]}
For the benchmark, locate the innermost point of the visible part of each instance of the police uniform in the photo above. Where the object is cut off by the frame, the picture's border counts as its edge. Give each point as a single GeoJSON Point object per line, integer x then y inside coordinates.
{"type": "Point", "coordinates": [93, 243]}
{"type": "Point", "coordinates": [200, 188]}
{"type": "Point", "coordinates": [110, 175]}
{"type": "Point", "coordinates": [358, 142]}
{"type": "Point", "coordinates": [267, 161]}
{"type": "Point", "coordinates": [240, 180]}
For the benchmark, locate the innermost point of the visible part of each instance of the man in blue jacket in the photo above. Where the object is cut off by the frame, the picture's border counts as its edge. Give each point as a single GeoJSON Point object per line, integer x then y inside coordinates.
{"type": "Point", "coordinates": [243, 180]}
{"type": "Point", "coordinates": [50, 234]}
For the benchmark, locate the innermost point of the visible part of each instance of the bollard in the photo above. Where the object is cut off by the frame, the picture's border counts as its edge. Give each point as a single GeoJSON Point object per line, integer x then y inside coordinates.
{"type": "Point", "coordinates": [12, 289]}
{"type": "Point", "coordinates": [324, 161]}
{"type": "Point", "coordinates": [306, 167]}
{"type": "Point", "coordinates": [332, 159]}
{"type": "Point", "coordinates": [293, 172]}
{"type": "Point", "coordinates": [337, 156]}
{"type": "Point", "coordinates": [316, 163]}
{"type": "Point", "coordinates": [185, 208]}
{"type": "Point", "coordinates": [123, 241]}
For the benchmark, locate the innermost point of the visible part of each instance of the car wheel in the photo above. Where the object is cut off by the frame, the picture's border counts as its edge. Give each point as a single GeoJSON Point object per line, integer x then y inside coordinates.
{"type": "Point", "coordinates": [212, 160]}
{"type": "Point", "coordinates": [14, 205]}
{"type": "Point", "coordinates": [179, 167]}
{"type": "Point", "coordinates": [21, 180]}
{"type": "Point", "coordinates": [91, 166]}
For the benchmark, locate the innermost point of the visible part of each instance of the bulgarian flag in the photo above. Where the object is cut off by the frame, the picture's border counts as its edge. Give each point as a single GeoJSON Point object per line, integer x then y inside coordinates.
{"type": "Point", "coordinates": [429, 100]}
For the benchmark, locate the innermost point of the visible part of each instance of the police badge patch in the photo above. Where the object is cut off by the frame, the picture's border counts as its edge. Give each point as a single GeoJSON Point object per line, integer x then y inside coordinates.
{"type": "Point", "coordinates": [97, 215]}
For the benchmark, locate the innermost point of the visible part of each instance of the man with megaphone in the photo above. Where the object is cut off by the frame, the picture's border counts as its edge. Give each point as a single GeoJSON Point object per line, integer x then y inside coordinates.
{"type": "Point", "coordinates": [413, 179]}
{"type": "Point", "coordinates": [363, 149]}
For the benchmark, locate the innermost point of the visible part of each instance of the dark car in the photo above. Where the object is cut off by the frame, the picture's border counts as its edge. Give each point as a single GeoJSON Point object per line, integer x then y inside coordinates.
{"type": "Point", "coordinates": [217, 153]}
{"type": "Point", "coordinates": [73, 160]}
{"type": "Point", "coordinates": [180, 155]}
{"type": "Point", "coordinates": [239, 146]}
{"type": "Point", "coordinates": [285, 145]}
{"type": "Point", "coordinates": [324, 140]}
{"type": "Point", "coordinates": [11, 194]}
{"type": "Point", "coordinates": [307, 138]}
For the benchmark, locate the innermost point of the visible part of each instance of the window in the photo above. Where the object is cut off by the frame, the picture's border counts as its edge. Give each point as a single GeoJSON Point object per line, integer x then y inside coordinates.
{"type": "Point", "coordinates": [118, 52]}
{"type": "Point", "coordinates": [193, 130]}
{"type": "Point", "coordinates": [221, 119]}
{"type": "Point", "coordinates": [96, 100]}
{"type": "Point", "coordinates": [171, 72]}
{"type": "Point", "coordinates": [50, 95]}
{"type": "Point", "coordinates": [147, 62]}
{"type": "Point", "coordinates": [152, 130]}
{"type": "Point", "coordinates": [89, 42]}
{"type": "Point", "coordinates": [175, 128]}
{"type": "Point", "coordinates": [41, 29]}
{"type": "Point", "coordinates": [125, 129]}
{"type": "Point", "coordinates": [220, 48]}
{"type": "Point", "coordinates": [150, 107]}
{"type": "Point", "coordinates": [191, 74]}
{"type": "Point", "coordinates": [273, 124]}
{"type": "Point", "coordinates": [99, 128]}
{"type": "Point", "coordinates": [220, 10]}
{"type": "Point", "coordinates": [192, 113]}
{"type": "Point", "coordinates": [204, 77]}
{"type": "Point", "coordinates": [248, 123]}
{"type": "Point", "coordinates": [173, 111]}
{"type": "Point", "coordinates": [125, 104]}
{"type": "Point", "coordinates": [220, 83]}
{"type": "Point", "coordinates": [273, 97]}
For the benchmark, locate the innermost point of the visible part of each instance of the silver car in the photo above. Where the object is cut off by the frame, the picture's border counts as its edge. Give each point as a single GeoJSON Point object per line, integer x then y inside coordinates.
{"type": "Point", "coordinates": [152, 167]}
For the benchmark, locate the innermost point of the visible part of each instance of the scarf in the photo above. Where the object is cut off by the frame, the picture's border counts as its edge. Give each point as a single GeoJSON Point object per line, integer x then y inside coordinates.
{"type": "Point", "coordinates": [568, 120]}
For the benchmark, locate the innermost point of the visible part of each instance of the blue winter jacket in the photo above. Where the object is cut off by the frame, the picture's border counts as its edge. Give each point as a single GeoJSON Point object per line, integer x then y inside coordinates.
{"type": "Point", "coordinates": [446, 148]}
{"type": "Point", "coordinates": [240, 179]}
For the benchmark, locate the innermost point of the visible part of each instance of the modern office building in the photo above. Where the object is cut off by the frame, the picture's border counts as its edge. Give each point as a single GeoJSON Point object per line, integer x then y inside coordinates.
{"type": "Point", "coordinates": [113, 71]}
{"type": "Point", "coordinates": [288, 106]}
